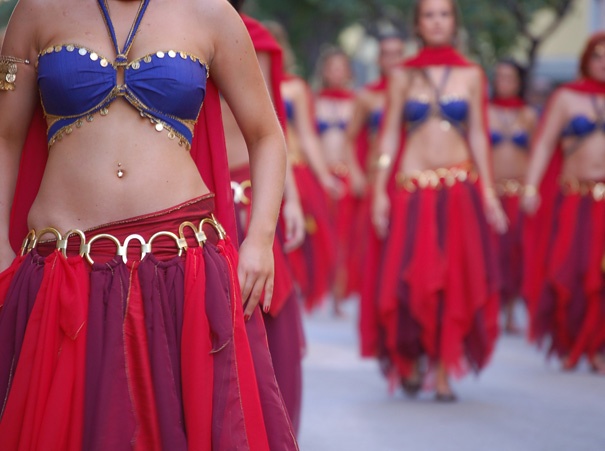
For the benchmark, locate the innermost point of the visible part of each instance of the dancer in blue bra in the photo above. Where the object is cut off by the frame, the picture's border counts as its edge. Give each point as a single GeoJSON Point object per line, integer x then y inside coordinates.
{"type": "Point", "coordinates": [433, 200]}
{"type": "Point", "coordinates": [565, 197]}
{"type": "Point", "coordinates": [333, 112]}
{"type": "Point", "coordinates": [122, 316]}
{"type": "Point", "coordinates": [362, 144]}
{"type": "Point", "coordinates": [511, 121]}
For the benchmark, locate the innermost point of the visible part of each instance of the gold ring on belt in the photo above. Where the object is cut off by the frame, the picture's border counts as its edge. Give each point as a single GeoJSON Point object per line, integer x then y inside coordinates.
{"type": "Point", "coordinates": [239, 192]}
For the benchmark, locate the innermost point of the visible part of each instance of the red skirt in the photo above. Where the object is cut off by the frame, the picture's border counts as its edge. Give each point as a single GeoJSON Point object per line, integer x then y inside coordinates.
{"type": "Point", "coordinates": [438, 294]}
{"type": "Point", "coordinates": [510, 249]}
{"type": "Point", "coordinates": [147, 354]}
{"type": "Point", "coordinates": [343, 213]}
{"type": "Point", "coordinates": [283, 322]}
{"type": "Point", "coordinates": [371, 333]}
{"type": "Point", "coordinates": [313, 263]}
{"type": "Point", "coordinates": [571, 310]}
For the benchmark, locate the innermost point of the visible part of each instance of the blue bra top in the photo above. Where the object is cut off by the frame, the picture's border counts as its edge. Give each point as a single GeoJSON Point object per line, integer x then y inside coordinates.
{"type": "Point", "coordinates": [324, 126]}
{"type": "Point", "coordinates": [581, 127]}
{"type": "Point", "coordinates": [519, 139]}
{"type": "Point", "coordinates": [375, 120]}
{"type": "Point", "coordinates": [452, 110]}
{"type": "Point", "coordinates": [289, 106]}
{"type": "Point", "coordinates": [168, 87]}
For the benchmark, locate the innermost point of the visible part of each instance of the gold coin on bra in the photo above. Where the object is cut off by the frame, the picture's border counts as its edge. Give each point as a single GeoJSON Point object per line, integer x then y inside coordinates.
{"type": "Point", "coordinates": [445, 125]}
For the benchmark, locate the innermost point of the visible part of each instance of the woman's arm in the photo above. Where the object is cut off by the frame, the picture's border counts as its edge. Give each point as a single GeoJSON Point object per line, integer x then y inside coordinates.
{"type": "Point", "coordinates": [235, 70]}
{"type": "Point", "coordinates": [479, 148]}
{"type": "Point", "coordinates": [16, 110]}
{"type": "Point", "coordinates": [309, 141]}
{"type": "Point", "coordinates": [543, 147]}
{"type": "Point", "coordinates": [292, 213]}
{"type": "Point", "coordinates": [388, 144]}
{"type": "Point", "coordinates": [354, 128]}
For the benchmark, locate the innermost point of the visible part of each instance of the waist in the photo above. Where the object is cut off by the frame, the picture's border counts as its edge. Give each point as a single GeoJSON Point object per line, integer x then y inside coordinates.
{"type": "Point", "coordinates": [592, 188]}
{"type": "Point", "coordinates": [437, 178]}
{"type": "Point", "coordinates": [163, 233]}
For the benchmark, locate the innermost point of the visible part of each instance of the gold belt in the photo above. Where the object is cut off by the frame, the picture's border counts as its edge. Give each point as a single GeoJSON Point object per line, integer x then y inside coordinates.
{"type": "Point", "coordinates": [239, 192]}
{"type": "Point", "coordinates": [437, 178]}
{"type": "Point", "coordinates": [509, 188]}
{"type": "Point", "coordinates": [584, 188]}
{"type": "Point", "coordinates": [33, 238]}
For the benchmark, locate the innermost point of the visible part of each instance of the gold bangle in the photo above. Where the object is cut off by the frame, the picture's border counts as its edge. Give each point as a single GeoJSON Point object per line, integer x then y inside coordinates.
{"type": "Point", "coordinates": [530, 190]}
{"type": "Point", "coordinates": [383, 161]}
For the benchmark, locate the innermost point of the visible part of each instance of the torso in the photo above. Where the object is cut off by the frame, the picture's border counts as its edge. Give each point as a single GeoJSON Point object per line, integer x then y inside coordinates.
{"type": "Point", "coordinates": [585, 156]}
{"type": "Point", "coordinates": [375, 104]}
{"type": "Point", "coordinates": [435, 144]}
{"type": "Point", "coordinates": [336, 114]}
{"type": "Point", "coordinates": [291, 94]}
{"type": "Point", "coordinates": [512, 127]}
{"type": "Point", "coordinates": [80, 188]}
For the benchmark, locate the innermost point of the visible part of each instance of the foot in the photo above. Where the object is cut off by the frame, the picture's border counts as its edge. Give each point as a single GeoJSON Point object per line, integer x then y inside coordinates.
{"type": "Point", "coordinates": [412, 386]}
{"type": "Point", "coordinates": [512, 329]}
{"type": "Point", "coordinates": [597, 363]}
{"type": "Point", "coordinates": [446, 398]}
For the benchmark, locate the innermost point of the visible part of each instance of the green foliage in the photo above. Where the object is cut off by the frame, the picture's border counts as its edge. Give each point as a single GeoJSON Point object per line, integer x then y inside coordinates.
{"type": "Point", "coordinates": [492, 28]}
{"type": "Point", "coordinates": [6, 9]}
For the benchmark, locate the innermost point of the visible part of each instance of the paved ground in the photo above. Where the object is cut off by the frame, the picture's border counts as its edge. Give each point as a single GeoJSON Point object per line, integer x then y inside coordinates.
{"type": "Point", "coordinates": [520, 402]}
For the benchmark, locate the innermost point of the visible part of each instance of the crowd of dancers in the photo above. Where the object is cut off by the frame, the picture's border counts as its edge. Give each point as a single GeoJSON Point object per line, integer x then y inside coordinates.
{"type": "Point", "coordinates": [434, 199]}
{"type": "Point", "coordinates": [441, 202]}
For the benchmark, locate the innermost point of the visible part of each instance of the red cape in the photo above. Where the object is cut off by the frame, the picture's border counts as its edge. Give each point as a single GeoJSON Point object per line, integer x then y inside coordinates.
{"type": "Point", "coordinates": [336, 94]}
{"type": "Point", "coordinates": [263, 41]}
{"type": "Point", "coordinates": [207, 150]}
{"type": "Point", "coordinates": [512, 102]}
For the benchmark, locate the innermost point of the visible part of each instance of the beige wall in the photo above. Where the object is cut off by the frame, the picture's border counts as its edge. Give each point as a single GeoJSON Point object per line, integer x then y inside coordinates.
{"type": "Point", "coordinates": [571, 34]}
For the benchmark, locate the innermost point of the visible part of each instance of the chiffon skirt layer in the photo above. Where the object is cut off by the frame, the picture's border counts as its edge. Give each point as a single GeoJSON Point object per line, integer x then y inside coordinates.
{"type": "Point", "coordinates": [145, 355]}
{"type": "Point", "coordinates": [438, 290]}
{"type": "Point", "coordinates": [570, 314]}
{"type": "Point", "coordinates": [283, 322]}
{"type": "Point", "coordinates": [510, 250]}
{"type": "Point", "coordinates": [313, 263]}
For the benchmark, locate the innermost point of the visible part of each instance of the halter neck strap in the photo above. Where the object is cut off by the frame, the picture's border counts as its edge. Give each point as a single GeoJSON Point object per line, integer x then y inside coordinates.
{"type": "Point", "coordinates": [122, 55]}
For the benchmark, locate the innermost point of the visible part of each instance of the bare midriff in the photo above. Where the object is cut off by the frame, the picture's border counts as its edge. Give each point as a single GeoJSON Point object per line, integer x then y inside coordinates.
{"type": "Point", "coordinates": [509, 161]}
{"type": "Point", "coordinates": [432, 147]}
{"type": "Point", "coordinates": [81, 187]}
{"type": "Point", "coordinates": [587, 162]}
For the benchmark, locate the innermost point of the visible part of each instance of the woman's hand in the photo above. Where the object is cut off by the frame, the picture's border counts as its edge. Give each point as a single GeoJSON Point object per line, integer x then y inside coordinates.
{"type": "Point", "coordinates": [6, 256]}
{"type": "Point", "coordinates": [333, 186]}
{"type": "Point", "coordinates": [530, 202]}
{"type": "Point", "coordinates": [358, 182]}
{"type": "Point", "coordinates": [495, 214]}
{"type": "Point", "coordinates": [255, 272]}
{"type": "Point", "coordinates": [381, 209]}
{"type": "Point", "coordinates": [294, 219]}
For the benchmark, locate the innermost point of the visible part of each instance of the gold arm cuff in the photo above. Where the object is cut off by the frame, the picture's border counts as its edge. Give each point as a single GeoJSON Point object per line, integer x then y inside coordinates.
{"type": "Point", "coordinates": [383, 161]}
{"type": "Point", "coordinates": [530, 191]}
{"type": "Point", "coordinates": [8, 71]}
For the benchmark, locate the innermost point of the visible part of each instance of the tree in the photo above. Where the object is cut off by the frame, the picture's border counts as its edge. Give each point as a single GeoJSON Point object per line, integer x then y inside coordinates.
{"type": "Point", "coordinates": [6, 9]}
{"type": "Point", "coordinates": [493, 28]}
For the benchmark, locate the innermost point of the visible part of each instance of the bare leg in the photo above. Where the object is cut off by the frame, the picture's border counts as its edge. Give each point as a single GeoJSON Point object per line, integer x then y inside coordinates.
{"type": "Point", "coordinates": [443, 388]}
